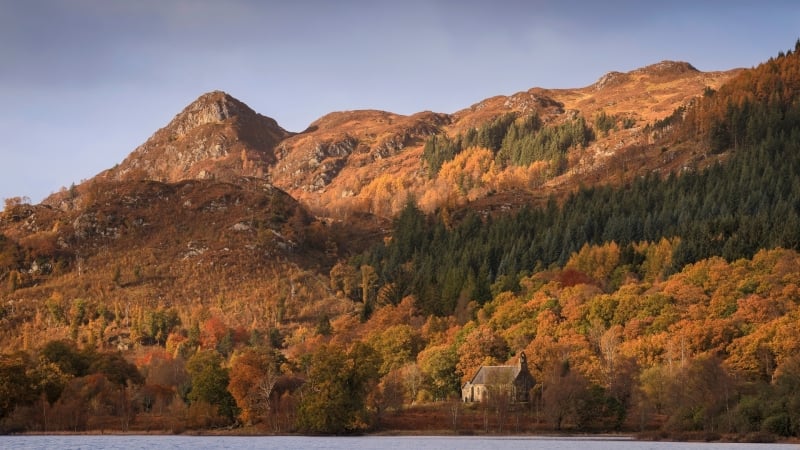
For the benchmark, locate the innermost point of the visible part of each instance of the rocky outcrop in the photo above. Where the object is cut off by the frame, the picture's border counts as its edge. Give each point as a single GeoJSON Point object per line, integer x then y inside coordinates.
{"type": "Point", "coordinates": [610, 80]}
{"type": "Point", "coordinates": [215, 137]}
{"type": "Point", "coordinates": [312, 161]}
{"type": "Point", "coordinates": [213, 107]}
{"type": "Point", "coordinates": [668, 68]}
{"type": "Point", "coordinates": [660, 70]}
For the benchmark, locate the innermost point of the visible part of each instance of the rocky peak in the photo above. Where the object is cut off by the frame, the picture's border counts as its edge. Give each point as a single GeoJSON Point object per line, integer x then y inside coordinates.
{"type": "Point", "coordinates": [659, 70]}
{"type": "Point", "coordinates": [667, 68]}
{"type": "Point", "coordinates": [216, 136]}
{"type": "Point", "coordinates": [212, 107]}
{"type": "Point", "coordinates": [610, 79]}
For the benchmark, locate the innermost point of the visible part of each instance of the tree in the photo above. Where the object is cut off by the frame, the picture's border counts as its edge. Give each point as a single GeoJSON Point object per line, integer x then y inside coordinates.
{"type": "Point", "coordinates": [562, 395]}
{"type": "Point", "coordinates": [16, 387]}
{"type": "Point", "coordinates": [344, 279]}
{"type": "Point", "coordinates": [783, 412]}
{"type": "Point", "coordinates": [700, 393]}
{"type": "Point", "coordinates": [482, 346]}
{"type": "Point", "coordinates": [164, 376]}
{"type": "Point", "coordinates": [15, 202]}
{"type": "Point", "coordinates": [438, 150]}
{"type": "Point", "coordinates": [368, 279]}
{"type": "Point", "coordinates": [334, 397]}
{"type": "Point", "coordinates": [49, 382]}
{"type": "Point", "coordinates": [438, 363]}
{"type": "Point", "coordinates": [386, 395]}
{"type": "Point", "coordinates": [412, 378]}
{"type": "Point", "coordinates": [116, 369]}
{"type": "Point", "coordinates": [67, 357]}
{"type": "Point", "coordinates": [253, 375]}
{"type": "Point", "coordinates": [159, 324]}
{"type": "Point", "coordinates": [209, 383]}
{"type": "Point", "coordinates": [398, 345]}
{"type": "Point", "coordinates": [605, 122]}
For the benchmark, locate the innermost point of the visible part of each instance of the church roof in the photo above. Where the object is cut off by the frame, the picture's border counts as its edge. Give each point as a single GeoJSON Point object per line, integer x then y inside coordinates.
{"type": "Point", "coordinates": [495, 374]}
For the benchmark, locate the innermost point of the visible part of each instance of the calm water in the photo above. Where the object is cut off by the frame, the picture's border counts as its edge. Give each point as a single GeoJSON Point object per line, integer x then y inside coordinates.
{"type": "Point", "coordinates": [352, 443]}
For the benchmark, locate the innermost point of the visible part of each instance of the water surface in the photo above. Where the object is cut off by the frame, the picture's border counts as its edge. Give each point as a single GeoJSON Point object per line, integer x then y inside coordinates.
{"type": "Point", "coordinates": [356, 443]}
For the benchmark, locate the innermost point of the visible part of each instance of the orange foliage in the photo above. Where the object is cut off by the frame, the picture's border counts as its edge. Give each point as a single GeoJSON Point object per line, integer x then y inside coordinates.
{"type": "Point", "coordinates": [175, 343]}
{"type": "Point", "coordinates": [439, 330]}
{"type": "Point", "coordinates": [459, 180]}
{"type": "Point", "coordinates": [574, 301]}
{"type": "Point", "coordinates": [482, 346]}
{"type": "Point", "coordinates": [386, 194]}
{"type": "Point", "coordinates": [517, 177]}
{"type": "Point", "coordinates": [252, 378]}
{"type": "Point", "coordinates": [596, 261]}
{"type": "Point", "coordinates": [212, 331]}
{"type": "Point", "coordinates": [151, 356]}
{"type": "Point", "coordinates": [405, 313]}
{"type": "Point", "coordinates": [571, 277]}
{"type": "Point", "coordinates": [754, 309]}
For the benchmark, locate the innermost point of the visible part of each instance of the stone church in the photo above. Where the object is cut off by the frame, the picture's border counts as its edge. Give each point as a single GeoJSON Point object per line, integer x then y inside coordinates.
{"type": "Point", "coordinates": [514, 381]}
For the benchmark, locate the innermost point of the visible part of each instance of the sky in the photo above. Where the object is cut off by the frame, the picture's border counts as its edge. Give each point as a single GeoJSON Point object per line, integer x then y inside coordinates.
{"type": "Point", "coordinates": [84, 82]}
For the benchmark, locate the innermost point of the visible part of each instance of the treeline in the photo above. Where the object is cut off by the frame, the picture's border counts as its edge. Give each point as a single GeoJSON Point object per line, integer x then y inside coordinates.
{"type": "Point", "coordinates": [514, 141]}
{"type": "Point", "coordinates": [755, 105]}
{"type": "Point", "coordinates": [711, 349]}
{"type": "Point", "coordinates": [750, 202]}
{"type": "Point", "coordinates": [62, 386]}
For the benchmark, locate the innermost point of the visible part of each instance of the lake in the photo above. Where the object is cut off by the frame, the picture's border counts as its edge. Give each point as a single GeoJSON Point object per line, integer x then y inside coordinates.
{"type": "Point", "coordinates": [353, 443]}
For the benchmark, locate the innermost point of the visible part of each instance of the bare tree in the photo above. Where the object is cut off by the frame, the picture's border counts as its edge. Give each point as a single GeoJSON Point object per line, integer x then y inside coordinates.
{"type": "Point", "coordinates": [500, 396]}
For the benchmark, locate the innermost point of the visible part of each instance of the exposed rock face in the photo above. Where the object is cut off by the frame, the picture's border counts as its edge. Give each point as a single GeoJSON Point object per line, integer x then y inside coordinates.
{"type": "Point", "coordinates": [610, 80]}
{"type": "Point", "coordinates": [215, 137]}
{"type": "Point", "coordinates": [311, 161]}
{"type": "Point", "coordinates": [668, 68]}
{"type": "Point", "coordinates": [213, 107]}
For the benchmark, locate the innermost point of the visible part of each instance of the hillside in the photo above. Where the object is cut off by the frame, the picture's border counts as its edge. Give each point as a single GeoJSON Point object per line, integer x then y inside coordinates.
{"type": "Point", "coordinates": [369, 161]}
{"type": "Point", "coordinates": [624, 235]}
{"type": "Point", "coordinates": [142, 246]}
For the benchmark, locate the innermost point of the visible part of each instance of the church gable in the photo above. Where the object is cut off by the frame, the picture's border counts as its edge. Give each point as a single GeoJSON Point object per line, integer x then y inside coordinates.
{"type": "Point", "coordinates": [514, 381]}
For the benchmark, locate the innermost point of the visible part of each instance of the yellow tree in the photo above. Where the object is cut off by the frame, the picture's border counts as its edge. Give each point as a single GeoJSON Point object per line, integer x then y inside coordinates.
{"type": "Point", "coordinates": [596, 261]}
{"type": "Point", "coordinates": [438, 364]}
{"type": "Point", "coordinates": [344, 278]}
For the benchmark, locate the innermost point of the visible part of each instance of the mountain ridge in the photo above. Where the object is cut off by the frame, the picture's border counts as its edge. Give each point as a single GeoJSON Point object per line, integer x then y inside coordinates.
{"type": "Point", "coordinates": [337, 162]}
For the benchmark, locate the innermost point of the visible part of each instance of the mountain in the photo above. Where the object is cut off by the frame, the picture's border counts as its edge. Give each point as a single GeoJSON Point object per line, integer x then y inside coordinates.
{"type": "Point", "coordinates": [370, 161]}
{"type": "Point", "coordinates": [224, 187]}
{"type": "Point", "coordinates": [626, 234]}
{"type": "Point", "coordinates": [215, 137]}
{"type": "Point", "coordinates": [344, 160]}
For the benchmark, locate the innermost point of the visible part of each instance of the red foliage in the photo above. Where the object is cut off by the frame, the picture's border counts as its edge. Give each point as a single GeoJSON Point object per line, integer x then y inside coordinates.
{"type": "Point", "coordinates": [572, 277]}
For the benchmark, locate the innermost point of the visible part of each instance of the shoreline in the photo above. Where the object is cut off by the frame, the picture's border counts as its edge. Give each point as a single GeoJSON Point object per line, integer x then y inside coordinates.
{"type": "Point", "coordinates": [610, 437]}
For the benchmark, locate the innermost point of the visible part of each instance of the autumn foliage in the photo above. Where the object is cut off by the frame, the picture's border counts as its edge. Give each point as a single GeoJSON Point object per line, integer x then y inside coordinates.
{"type": "Point", "coordinates": [666, 304]}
